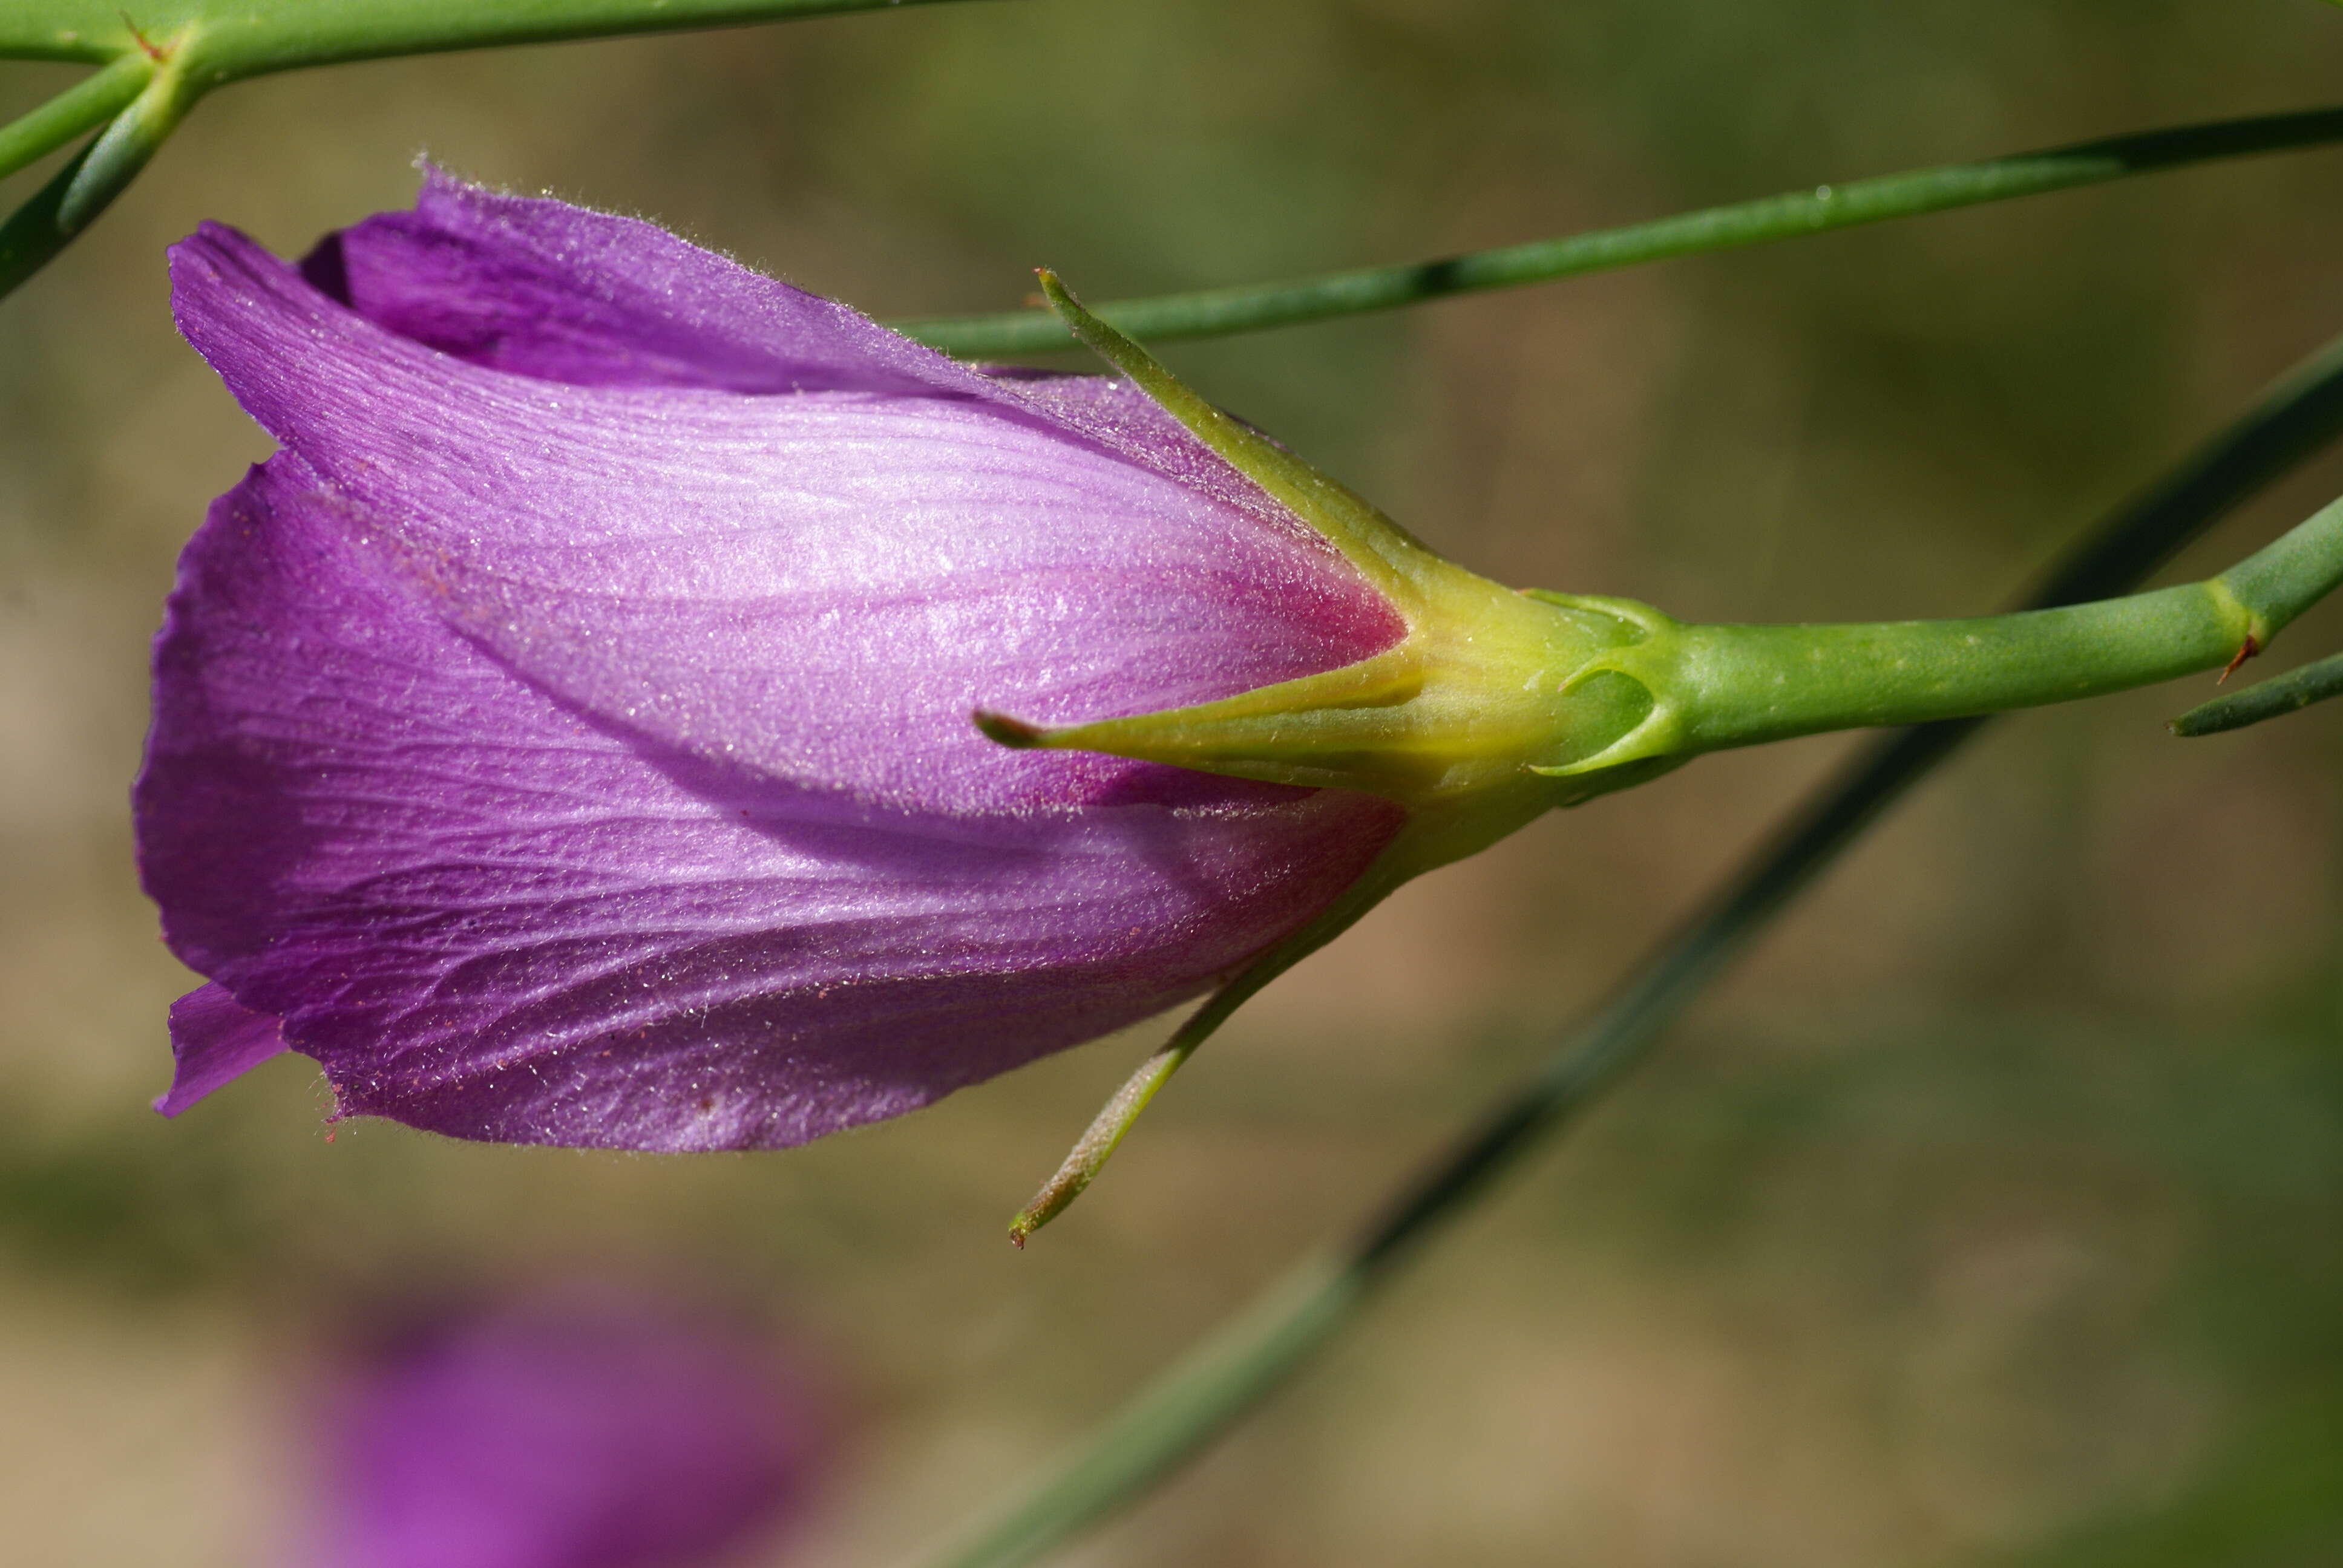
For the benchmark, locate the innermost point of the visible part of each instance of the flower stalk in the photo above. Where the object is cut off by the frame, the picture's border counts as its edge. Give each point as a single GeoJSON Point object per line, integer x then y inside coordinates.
{"type": "Point", "coordinates": [1731, 686]}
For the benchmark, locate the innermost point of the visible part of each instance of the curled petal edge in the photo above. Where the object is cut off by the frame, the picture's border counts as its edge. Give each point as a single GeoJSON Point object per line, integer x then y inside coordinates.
{"type": "Point", "coordinates": [215, 1040]}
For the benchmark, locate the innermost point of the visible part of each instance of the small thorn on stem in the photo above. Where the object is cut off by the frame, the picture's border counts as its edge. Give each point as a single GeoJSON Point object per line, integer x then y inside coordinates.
{"type": "Point", "coordinates": [2245, 651]}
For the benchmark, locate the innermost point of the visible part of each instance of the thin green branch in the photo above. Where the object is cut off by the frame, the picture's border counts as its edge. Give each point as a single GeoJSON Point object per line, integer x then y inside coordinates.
{"type": "Point", "coordinates": [242, 38]}
{"type": "Point", "coordinates": [87, 104]}
{"type": "Point", "coordinates": [167, 54]}
{"type": "Point", "coordinates": [1214, 1387]}
{"type": "Point", "coordinates": [1252, 307]}
{"type": "Point", "coordinates": [86, 187]}
{"type": "Point", "coordinates": [2289, 693]}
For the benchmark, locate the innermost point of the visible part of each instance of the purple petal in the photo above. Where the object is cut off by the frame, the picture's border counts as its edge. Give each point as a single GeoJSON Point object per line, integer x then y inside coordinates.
{"type": "Point", "coordinates": [590, 763]}
{"type": "Point", "coordinates": [545, 290]}
{"type": "Point", "coordinates": [541, 288]}
{"type": "Point", "coordinates": [581, 1429]}
{"type": "Point", "coordinates": [215, 1040]}
{"type": "Point", "coordinates": [820, 586]}
{"type": "Point", "coordinates": [489, 912]}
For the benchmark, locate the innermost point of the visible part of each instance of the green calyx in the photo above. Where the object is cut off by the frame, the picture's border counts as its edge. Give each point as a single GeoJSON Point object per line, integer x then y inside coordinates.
{"type": "Point", "coordinates": [1487, 683]}
{"type": "Point", "coordinates": [1486, 686]}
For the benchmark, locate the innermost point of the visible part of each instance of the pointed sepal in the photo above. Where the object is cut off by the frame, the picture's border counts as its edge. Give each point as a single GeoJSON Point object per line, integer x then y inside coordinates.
{"type": "Point", "coordinates": [1432, 837]}
{"type": "Point", "coordinates": [1387, 555]}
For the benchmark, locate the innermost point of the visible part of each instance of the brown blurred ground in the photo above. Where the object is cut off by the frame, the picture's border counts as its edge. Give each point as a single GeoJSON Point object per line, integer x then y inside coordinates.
{"type": "Point", "coordinates": [1988, 1216]}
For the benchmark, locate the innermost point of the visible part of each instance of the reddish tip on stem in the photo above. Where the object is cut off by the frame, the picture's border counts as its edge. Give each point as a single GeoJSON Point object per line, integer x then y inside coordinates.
{"type": "Point", "coordinates": [1008, 731]}
{"type": "Point", "coordinates": [149, 48]}
{"type": "Point", "coordinates": [2244, 652]}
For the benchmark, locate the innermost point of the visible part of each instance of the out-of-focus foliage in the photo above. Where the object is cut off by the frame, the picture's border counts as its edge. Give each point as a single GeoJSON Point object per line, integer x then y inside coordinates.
{"type": "Point", "coordinates": [1986, 1218]}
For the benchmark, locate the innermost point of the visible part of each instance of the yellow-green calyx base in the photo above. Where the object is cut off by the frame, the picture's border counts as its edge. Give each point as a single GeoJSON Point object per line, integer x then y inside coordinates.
{"type": "Point", "coordinates": [1485, 685]}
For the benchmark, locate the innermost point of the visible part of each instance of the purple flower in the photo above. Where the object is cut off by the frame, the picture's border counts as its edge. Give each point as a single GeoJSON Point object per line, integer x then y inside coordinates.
{"type": "Point", "coordinates": [582, 1428]}
{"type": "Point", "coordinates": [565, 738]}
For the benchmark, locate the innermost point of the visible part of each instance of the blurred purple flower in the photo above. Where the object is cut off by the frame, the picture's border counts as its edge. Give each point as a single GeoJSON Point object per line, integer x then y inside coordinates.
{"type": "Point", "coordinates": [583, 1428]}
{"type": "Point", "coordinates": [565, 738]}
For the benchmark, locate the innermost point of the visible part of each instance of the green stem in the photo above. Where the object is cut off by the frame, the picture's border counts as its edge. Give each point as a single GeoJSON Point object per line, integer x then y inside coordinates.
{"type": "Point", "coordinates": [1254, 307]}
{"type": "Point", "coordinates": [1745, 685]}
{"type": "Point", "coordinates": [2289, 693]}
{"type": "Point", "coordinates": [90, 102]}
{"type": "Point", "coordinates": [1753, 684]}
{"type": "Point", "coordinates": [239, 38]}
{"type": "Point", "coordinates": [47, 222]}
{"type": "Point", "coordinates": [195, 45]}
{"type": "Point", "coordinates": [1215, 1385]}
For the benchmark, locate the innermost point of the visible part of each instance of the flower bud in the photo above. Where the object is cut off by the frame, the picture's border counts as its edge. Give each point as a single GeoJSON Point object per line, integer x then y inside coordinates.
{"type": "Point", "coordinates": [564, 738]}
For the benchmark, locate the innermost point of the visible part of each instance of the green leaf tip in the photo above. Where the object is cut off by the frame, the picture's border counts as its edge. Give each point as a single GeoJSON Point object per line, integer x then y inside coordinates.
{"type": "Point", "coordinates": [2274, 699]}
{"type": "Point", "coordinates": [1090, 1153]}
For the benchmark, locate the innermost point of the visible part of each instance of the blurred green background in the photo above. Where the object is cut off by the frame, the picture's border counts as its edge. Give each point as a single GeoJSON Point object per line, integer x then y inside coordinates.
{"type": "Point", "coordinates": [1990, 1216]}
